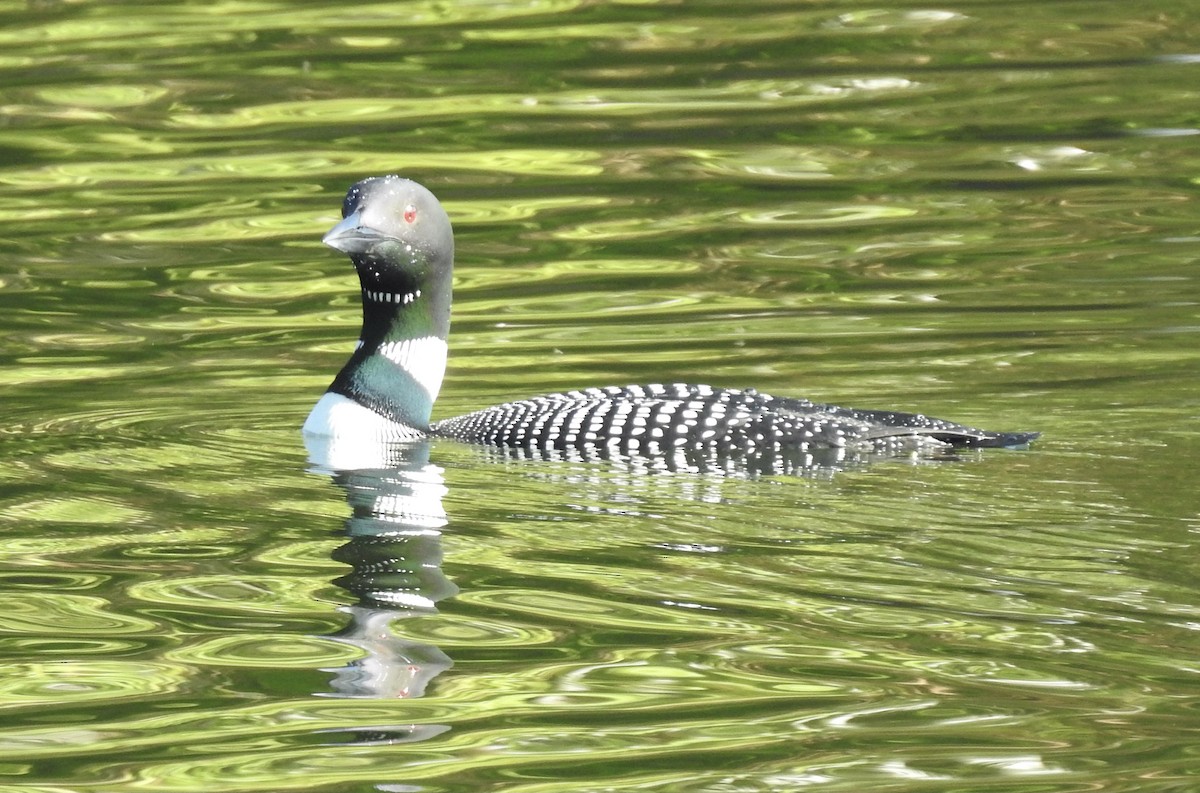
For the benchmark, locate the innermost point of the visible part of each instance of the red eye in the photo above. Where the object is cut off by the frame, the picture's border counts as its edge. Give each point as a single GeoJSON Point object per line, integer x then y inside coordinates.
{"type": "Point", "coordinates": [410, 213]}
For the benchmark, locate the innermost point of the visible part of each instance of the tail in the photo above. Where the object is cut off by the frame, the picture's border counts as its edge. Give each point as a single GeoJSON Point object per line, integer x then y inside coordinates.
{"type": "Point", "coordinates": [892, 423]}
{"type": "Point", "coordinates": [993, 440]}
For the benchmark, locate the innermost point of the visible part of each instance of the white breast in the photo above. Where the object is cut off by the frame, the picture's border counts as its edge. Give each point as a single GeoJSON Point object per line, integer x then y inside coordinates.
{"type": "Point", "coordinates": [338, 416]}
{"type": "Point", "coordinates": [342, 435]}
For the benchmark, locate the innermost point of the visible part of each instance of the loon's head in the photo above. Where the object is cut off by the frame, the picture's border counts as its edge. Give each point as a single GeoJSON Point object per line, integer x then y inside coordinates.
{"type": "Point", "coordinates": [396, 233]}
{"type": "Point", "coordinates": [402, 246]}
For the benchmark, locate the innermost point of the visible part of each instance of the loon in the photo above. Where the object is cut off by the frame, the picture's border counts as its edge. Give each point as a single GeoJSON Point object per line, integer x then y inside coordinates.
{"type": "Point", "coordinates": [401, 243]}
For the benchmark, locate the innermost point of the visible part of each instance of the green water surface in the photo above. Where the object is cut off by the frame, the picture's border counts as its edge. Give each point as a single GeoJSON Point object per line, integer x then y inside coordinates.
{"type": "Point", "coordinates": [982, 211]}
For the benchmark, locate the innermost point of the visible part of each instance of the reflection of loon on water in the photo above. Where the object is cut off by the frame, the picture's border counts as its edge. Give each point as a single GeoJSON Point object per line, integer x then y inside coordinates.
{"type": "Point", "coordinates": [395, 554]}
{"type": "Point", "coordinates": [402, 245]}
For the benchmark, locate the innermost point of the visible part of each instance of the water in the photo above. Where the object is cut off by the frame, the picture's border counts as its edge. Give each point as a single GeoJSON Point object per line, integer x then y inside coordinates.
{"type": "Point", "coordinates": [982, 211]}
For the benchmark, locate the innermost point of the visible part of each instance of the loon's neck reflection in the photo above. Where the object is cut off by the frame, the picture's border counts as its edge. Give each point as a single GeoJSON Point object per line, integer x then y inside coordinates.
{"type": "Point", "coordinates": [394, 551]}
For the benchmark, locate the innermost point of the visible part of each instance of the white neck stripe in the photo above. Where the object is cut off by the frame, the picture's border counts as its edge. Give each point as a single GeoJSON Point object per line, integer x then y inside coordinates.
{"type": "Point", "coordinates": [424, 358]}
{"type": "Point", "coordinates": [403, 298]}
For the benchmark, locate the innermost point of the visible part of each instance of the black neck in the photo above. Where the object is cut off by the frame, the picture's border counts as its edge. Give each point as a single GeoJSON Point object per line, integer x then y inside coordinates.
{"type": "Point", "coordinates": [401, 353]}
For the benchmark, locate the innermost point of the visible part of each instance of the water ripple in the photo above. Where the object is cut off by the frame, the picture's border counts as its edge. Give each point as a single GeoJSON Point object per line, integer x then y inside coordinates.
{"type": "Point", "coordinates": [985, 215]}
